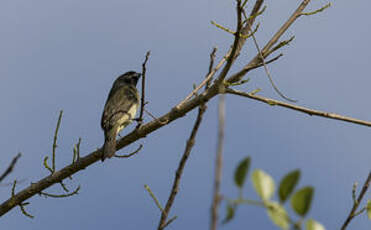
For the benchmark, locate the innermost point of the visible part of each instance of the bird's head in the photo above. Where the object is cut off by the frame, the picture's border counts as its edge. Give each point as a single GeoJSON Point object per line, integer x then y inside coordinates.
{"type": "Point", "coordinates": [130, 77]}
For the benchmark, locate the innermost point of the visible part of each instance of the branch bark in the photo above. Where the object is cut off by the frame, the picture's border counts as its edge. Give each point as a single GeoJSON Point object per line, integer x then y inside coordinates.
{"type": "Point", "coordinates": [10, 167]}
{"type": "Point", "coordinates": [218, 162]}
{"type": "Point", "coordinates": [179, 171]}
{"type": "Point", "coordinates": [256, 60]}
{"type": "Point", "coordinates": [308, 111]}
{"type": "Point", "coordinates": [356, 204]}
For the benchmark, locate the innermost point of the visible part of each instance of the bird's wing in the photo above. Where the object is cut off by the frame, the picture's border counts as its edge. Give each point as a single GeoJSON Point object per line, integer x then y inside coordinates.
{"type": "Point", "coordinates": [119, 103]}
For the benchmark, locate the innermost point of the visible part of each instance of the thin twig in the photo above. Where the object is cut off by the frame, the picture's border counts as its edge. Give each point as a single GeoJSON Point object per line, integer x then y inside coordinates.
{"type": "Point", "coordinates": [61, 195]}
{"type": "Point", "coordinates": [55, 139]}
{"type": "Point", "coordinates": [308, 111]}
{"type": "Point", "coordinates": [268, 74]}
{"type": "Point", "coordinates": [179, 171]}
{"type": "Point", "coordinates": [256, 60]}
{"type": "Point", "coordinates": [10, 167]}
{"type": "Point", "coordinates": [235, 47]}
{"type": "Point", "coordinates": [142, 99]}
{"type": "Point", "coordinates": [267, 62]}
{"type": "Point", "coordinates": [130, 154]}
{"type": "Point", "coordinates": [154, 197]}
{"type": "Point", "coordinates": [352, 213]}
{"type": "Point", "coordinates": [21, 205]}
{"type": "Point", "coordinates": [211, 65]}
{"type": "Point", "coordinates": [206, 80]}
{"type": "Point", "coordinates": [218, 162]}
{"type": "Point", "coordinates": [244, 30]}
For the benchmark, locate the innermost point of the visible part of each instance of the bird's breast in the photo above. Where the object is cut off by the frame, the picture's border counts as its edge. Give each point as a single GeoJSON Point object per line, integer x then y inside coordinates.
{"type": "Point", "coordinates": [128, 117]}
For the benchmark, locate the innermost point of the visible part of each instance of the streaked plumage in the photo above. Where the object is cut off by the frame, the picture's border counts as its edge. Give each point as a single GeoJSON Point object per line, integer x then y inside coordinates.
{"type": "Point", "coordinates": [120, 109]}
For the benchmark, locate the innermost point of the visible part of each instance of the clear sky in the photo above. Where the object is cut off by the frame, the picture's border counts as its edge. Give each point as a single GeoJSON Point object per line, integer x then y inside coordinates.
{"type": "Point", "coordinates": [66, 54]}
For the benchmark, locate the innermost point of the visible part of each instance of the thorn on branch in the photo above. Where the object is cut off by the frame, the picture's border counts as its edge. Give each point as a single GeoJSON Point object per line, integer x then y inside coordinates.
{"type": "Point", "coordinates": [130, 154]}
{"type": "Point", "coordinates": [317, 11]}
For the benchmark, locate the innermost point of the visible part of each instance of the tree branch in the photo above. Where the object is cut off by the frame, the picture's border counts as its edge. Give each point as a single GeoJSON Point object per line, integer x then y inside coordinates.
{"type": "Point", "coordinates": [218, 162]}
{"type": "Point", "coordinates": [356, 204]}
{"type": "Point", "coordinates": [244, 30]}
{"type": "Point", "coordinates": [179, 171]}
{"type": "Point", "coordinates": [308, 111]}
{"type": "Point", "coordinates": [256, 60]}
{"type": "Point", "coordinates": [10, 167]}
{"type": "Point", "coordinates": [142, 99]}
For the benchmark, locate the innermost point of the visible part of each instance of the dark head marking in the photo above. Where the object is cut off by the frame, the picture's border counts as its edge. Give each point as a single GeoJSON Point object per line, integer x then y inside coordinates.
{"type": "Point", "coordinates": [130, 77]}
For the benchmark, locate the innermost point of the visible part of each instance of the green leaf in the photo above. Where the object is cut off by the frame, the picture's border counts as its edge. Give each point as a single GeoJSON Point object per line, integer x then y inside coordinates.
{"type": "Point", "coordinates": [288, 184]}
{"type": "Point", "coordinates": [369, 209]}
{"type": "Point", "coordinates": [278, 215]}
{"type": "Point", "coordinates": [302, 200]}
{"type": "Point", "coordinates": [314, 225]}
{"type": "Point", "coordinates": [230, 213]}
{"type": "Point", "coordinates": [241, 172]}
{"type": "Point", "coordinates": [263, 184]}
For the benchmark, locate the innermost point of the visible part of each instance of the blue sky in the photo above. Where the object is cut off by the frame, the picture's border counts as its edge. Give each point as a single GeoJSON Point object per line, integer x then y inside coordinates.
{"type": "Point", "coordinates": [66, 54]}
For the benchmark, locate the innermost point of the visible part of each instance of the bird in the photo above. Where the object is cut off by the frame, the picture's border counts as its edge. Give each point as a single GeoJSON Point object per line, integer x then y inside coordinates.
{"type": "Point", "coordinates": [120, 109]}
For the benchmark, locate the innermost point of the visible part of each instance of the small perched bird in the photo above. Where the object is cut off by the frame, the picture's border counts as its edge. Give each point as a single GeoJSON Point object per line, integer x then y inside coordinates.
{"type": "Point", "coordinates": [120, 109]}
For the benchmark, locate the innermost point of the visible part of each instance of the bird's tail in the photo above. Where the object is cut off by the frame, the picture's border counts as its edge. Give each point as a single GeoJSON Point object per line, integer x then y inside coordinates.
{"type": "Point", "coordinates": [109, 147]}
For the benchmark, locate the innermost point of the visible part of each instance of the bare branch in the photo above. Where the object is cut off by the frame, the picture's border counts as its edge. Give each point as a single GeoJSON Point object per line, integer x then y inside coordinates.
{"type": "Point", "coordinates": [256, 60]}
{"type": "Point", "coordinates": [218, 162]}
{"type": "Point", "coordinates": [142, 101]}
{"type": "Point", "coordinates": [153, 197]}
{"type": "Point", "coordinates": [179, 171]}
{"type": "Point", "coordinates": [21, 205]}
{"type": "Point", "coordinates": [10, 167]}
{"type": "Point", "coordinates": [176, 112]}
{"type": "Point", "coordinates": [236, 47]}
{"type": "Point", "coordinates": [130, 154]}
{"type": "Point", "coordinates": [76, 151]}
{"type": "Point", "coordinates": [267, 72]}
{"type": "Point", "coordinates": [308, 111]}
{"type": "Point", "coordinates": [212, 59]}
{"type": "Point", "coordinates": [356, 204]}
{"type": "Point", "coordinates": [61, 195]}
{"type": "Point", "coordinates": [317, 11]}
{"type": "Point", "coordinates": [267, 62]}
{"type": "Point", "coordinates": [55, 139]}
{"type": "Point", "coordinates": [241, 41]}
